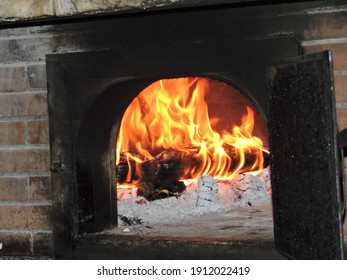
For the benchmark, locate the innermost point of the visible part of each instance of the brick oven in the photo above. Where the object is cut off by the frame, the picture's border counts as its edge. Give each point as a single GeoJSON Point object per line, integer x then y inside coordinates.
{"type": "Point", "coordinates": [45, 212]}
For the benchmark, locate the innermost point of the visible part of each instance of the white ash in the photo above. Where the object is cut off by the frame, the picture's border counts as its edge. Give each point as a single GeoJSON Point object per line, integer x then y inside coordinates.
{"type": "Point", "coordinates": [207, 192]}
{"type": "Point", "coordinates": [245, 190]}
{"type": "Point", "coordinates": [125, 194]}
{"type": "Point", "coordinates": [226, 195]}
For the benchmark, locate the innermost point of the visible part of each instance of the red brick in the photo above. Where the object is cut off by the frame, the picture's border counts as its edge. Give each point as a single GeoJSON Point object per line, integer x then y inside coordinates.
{"type": "Point", "coordinates": [12, 78]}
{"type": "Point", "coordinates": [27, 49]}
{"type": "Point", "coordinates": [326, 26]}
{"type": "Point", "coordinates": [23, 104]}
{"type": "Point", "coordinates": [40, 188]}
{"type": "Point", "coordinates": [13, 189]}
{"type": "Point", "coordinates": [37, 76]}
{"type": "Point", "coordinates": [15, 244]}
{"type": "Point", "coordinates": [24, 160]}
{"type": "Point", "coordinates": [25, 216]}
{"type": "Point", "coordinates": [339, 53]}
{"type": "Point", "coordinates": [341, 115]}
{"type": "Point", "coordinates": [38, 132]}
{"type": "Point", "coordinates": [341, 88]}
{"type": "Point", "coordinates": [12, 133]}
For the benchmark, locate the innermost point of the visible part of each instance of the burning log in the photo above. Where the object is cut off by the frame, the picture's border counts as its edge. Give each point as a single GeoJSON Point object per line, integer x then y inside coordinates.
{"type": "Point", "coordinates": [169, 166]}
{"type": "Point", "coordinates": [160, 189]}
{"type": "Point", "coordinates": [130, 221]}
{"type": "Point", "coordinates": [174, 113]}
{"type": "Point", "coordinates": [160, 176]}
{"type": "Point", "coordinates": [123, 167]}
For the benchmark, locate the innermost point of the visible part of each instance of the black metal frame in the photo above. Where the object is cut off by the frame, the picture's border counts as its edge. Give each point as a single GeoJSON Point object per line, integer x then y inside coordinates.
{"type": "Point", "coordinates": [306, 161]}
{"type": "Point", "coordinates": [88, 94]}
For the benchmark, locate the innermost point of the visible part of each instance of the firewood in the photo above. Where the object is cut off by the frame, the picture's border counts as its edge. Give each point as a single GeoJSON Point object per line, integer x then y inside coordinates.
{"type": "Point", "coordinates": [168, 166]}
{"type": "Point", "coordinates": [160, 189]}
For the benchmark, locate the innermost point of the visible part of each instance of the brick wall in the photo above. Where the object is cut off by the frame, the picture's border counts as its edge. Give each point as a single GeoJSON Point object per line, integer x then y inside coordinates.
{"type": "Point", "coordinates": [25, 183]}
{"type": "Point", "coordinates": [25, 188]}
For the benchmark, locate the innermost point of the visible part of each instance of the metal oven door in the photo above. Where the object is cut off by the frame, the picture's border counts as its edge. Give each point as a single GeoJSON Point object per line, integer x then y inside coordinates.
{"type": "Point", "coordinates": [306, 161]}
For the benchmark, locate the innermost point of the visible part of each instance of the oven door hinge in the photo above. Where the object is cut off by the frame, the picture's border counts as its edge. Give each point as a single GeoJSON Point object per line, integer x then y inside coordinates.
{"type": "Point", "coordinates": [57, 167]}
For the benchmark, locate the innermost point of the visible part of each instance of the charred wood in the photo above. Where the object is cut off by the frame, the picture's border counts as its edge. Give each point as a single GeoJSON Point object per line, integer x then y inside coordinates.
{"type": "Point", "coordinates": [160, 176]}
{"type": "Point", "coordinates": [160, 188]}
{"type": "Point", "coordinates": [123, 167]}
{"type": "Point", "coordinates": [130, 221]}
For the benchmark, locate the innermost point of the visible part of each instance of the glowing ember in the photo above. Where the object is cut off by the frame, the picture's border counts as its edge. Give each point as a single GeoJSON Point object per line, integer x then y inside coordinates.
{"type": "Point", "coordinates": [169, 121]}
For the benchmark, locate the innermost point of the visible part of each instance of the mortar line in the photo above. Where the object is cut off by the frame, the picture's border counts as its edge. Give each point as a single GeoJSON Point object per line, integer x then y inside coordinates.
{"type": "Point", "coordinates": [26, 230]}
{"type": "Point", "coordinates": [24, 147]}
{"type": "Point", "coordinates": [331, 41]}
{"type": "Point", "coordinates": [27, 36]}
{"type": "Point", "coordinates": [21, 176]}
{"type": "Point", "coordinates": [22, 63]}
{"type": "Point", "coordinates": [24, 92]}
{"type": "Point", "coordinates": [23, 119]}
{"type": "Point", "coordinates": [26, 203]}
{"type": "Point", "coordinates": [44, 35]}
{"type": "Point", "coordinates": [341, 105]}
{"type": "Point", "coordinates": [340, 73]}
{"type": "Point", "coordinates": [24, 174]}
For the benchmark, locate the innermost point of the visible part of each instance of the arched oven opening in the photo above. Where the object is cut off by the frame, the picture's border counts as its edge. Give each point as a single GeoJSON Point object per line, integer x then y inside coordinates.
{"type": "Point", "coordinates": [187, 150]}
{"type": "Point", "coordinates": [165, 135]}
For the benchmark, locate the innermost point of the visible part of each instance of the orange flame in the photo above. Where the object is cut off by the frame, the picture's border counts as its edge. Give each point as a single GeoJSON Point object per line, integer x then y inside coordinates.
{"type": "Point", "coordinates": [173, 114]}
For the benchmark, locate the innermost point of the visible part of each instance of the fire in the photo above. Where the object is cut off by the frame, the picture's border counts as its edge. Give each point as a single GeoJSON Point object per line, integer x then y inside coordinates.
{"type": "Point", "coordinates": [169, 120]}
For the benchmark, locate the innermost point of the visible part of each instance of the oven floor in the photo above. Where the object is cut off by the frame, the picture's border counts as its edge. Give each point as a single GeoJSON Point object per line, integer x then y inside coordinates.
{"type": "Point", "coordinates": [244, 233]}
{"type": "Point", "coordinates": [253, 223]}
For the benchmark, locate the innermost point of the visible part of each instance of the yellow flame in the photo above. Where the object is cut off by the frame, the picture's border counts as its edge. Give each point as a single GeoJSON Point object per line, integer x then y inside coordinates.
{"type": "Point", "coordinates": [173, 114]}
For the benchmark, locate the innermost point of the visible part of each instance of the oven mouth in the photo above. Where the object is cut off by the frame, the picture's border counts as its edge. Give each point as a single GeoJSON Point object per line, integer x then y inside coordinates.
{"type": "Point", "coordinates": [184, 128]}
{"type": "Point", "coordinates": [170, 180]}
{"type": "Point", "coordinates": [85, 116]}
{"type": "Point", "coordinates": [85, 198]}
{"type": "Point", "coordinates": [177, 131]}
